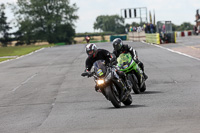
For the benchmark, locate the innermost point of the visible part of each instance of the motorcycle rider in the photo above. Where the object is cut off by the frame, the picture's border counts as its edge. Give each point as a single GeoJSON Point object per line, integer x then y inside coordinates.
{"type": "Point", "coordinates": [95, 54]}
{"type": "Point", "coordinates": [119, 48]}
{"type": "Point", "coordinates": [87, 38]}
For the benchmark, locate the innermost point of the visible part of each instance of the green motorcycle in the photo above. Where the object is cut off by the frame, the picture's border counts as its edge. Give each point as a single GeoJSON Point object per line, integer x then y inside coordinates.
{"type": "Point", "coordinates": [132, 71]}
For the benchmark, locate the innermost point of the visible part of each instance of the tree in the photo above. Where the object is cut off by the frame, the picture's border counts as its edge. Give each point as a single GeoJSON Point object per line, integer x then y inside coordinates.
{"type": "Point", "coordinates": [113, 23]}
{"type": "Point", "coordinates": [186, 26]}
{"type": "Point", "coordinates": [46, 20]}
{"type": "Point", "coordinates": [182, 27]}
{"type": "Point", "coordinates": [4, 27]}
{"type": "Point", "coordinates": [135, 24]}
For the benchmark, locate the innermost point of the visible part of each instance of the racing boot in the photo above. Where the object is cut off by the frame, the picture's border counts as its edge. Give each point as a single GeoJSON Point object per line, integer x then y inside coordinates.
{"type": "Point", "coordinates": [139, 75]}
{"type": "Point", "coordinates": [141, 65]}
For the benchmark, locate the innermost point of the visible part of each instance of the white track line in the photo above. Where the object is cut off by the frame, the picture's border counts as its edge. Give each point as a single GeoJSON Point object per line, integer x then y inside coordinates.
{"type": "Point", "coordinates": [173, 51]}
{"type": "Point", "coordinates": [22, 56]}
{"type": "Point", "coordinates": [24, 82]}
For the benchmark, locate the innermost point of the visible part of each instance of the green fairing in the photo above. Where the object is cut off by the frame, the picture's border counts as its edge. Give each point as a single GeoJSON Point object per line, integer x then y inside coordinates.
{"type": "Point", "coordinates": [125, 59]}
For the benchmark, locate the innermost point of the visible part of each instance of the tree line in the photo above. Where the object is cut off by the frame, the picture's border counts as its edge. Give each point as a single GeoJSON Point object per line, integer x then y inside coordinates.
{"type": "Point", "coordinates": [115, 23]}
{"type": "Point", "coordinates": [39, 20]}
{"type": "Point", "coordinates": [53, 21]}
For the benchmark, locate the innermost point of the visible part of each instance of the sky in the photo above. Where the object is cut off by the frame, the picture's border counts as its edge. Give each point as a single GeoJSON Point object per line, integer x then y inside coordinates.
{"type": "Point", "coordinates": [177, 11]}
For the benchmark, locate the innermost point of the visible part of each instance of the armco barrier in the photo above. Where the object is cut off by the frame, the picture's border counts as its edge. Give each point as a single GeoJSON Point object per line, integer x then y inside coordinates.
{"type": "Point", "coordinates": [121, 37]}
{"type": "Point", "coordinates": [153, 38]}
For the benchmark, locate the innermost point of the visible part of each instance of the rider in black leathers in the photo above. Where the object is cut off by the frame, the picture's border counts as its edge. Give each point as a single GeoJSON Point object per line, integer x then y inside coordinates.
{"type": "Point", "coordinates": [119, 48]}
{"type": "Point", "coordinates": [95, 54]}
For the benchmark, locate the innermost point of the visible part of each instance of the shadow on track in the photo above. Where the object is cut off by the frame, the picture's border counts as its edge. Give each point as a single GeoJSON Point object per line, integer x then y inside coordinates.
{"type": "Point", "coordinates": [147, 92]}
{"type": "Point", "coordinates": [130, 106]}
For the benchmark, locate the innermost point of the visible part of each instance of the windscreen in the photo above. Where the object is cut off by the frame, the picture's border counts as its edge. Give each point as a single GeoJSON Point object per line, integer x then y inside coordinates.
{"type": "Point", "coordinates": [99, 68]}
{"type": "Point", "coordinates": [124, 59]}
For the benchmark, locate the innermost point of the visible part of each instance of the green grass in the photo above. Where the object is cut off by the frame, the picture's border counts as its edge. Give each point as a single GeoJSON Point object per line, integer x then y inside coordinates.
{"type": "Point", "coordinates": [3, 59]}
{"type": "Point", "coordinates": [98, 41]}
{"type": "Point", "coordinates": [19, 50]}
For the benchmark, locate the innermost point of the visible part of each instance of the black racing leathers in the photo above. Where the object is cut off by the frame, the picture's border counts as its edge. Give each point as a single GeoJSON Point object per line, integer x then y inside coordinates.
{"type": "Point", "coordinates": [126, 49]}
{"type": "Point", "coordinates": [102, 54]}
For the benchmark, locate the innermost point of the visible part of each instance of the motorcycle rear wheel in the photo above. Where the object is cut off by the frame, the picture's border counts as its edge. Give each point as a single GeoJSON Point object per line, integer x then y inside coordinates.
{"type": "Point", "coordinates": [128, 101]}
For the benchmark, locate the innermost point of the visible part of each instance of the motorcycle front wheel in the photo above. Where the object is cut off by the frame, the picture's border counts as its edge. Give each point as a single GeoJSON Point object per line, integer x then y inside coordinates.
{"type": "Point", "coordinates": [113, 95]}
{"type": "Point", "coordinates": [135, 86]}
{"type": "Point", "coordinates": [143, 88]}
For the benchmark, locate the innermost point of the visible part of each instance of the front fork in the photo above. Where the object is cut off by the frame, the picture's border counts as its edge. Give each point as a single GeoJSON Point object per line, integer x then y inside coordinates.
{"type": "Point", "coordinates": [120, 84]}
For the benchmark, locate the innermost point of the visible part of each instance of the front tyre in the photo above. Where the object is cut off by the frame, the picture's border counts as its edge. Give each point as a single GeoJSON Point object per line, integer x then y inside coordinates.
{"type": "Point", "coordinates": [135, 86]}
{"type": "Point", "coordinates": [113, 95]}
{"type": "Point", "coordinates": [143, 88]}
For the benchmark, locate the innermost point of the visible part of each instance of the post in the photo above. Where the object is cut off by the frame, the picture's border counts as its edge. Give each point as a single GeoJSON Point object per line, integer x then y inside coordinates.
{"type": "Point", "coordinates": [140, 17]}
{"type": "Point", "coordinates": [146, 16]}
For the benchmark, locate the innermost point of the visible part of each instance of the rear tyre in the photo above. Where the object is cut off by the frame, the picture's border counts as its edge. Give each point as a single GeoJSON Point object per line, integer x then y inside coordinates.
{"type": "Point", "coordinates": [135, 86]}
{"type": "Point", "coordinates": [113, 96]}
{"type": "Point", "coordinates": [128, 101]}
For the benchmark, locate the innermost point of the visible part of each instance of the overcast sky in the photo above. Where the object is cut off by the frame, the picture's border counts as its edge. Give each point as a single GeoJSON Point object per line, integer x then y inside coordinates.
{"type": "Point", "coordinates": [177, 11]}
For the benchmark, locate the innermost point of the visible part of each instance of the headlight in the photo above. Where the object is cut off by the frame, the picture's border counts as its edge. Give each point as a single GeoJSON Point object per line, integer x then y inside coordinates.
{"type": "Point", "coordinates": [101, 81]}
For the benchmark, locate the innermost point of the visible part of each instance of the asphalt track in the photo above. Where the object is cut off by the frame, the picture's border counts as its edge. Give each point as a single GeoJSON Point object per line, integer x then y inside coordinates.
{"type": "Point", "coordinates": [44, 93]}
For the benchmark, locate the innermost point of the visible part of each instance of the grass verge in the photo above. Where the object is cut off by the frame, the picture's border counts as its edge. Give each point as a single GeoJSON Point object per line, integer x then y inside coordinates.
{"type": "Point", "coordinates": [19, 50]}
{"type": "Point", "coordinates": [3, 59]}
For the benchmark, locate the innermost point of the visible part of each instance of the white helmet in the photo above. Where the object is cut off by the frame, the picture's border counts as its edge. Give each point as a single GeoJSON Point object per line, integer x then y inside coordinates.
{"type": "Point", "coordinates": [91, 49]}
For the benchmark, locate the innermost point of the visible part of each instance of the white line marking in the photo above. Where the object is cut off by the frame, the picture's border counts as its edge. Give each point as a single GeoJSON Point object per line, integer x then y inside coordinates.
{"type": "Point", "coordinates": [24, 82]}
{"type": "Point", "coordinates": [173, 51]}
{"type": "Point", "coordinates": [22, 56]}
{"type": "Point", "coordinates": [29, 53]}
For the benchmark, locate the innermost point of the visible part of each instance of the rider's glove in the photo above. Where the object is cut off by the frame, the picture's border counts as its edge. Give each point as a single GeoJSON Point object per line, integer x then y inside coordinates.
{"type": "Point", "coordinates": [89, 74]}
